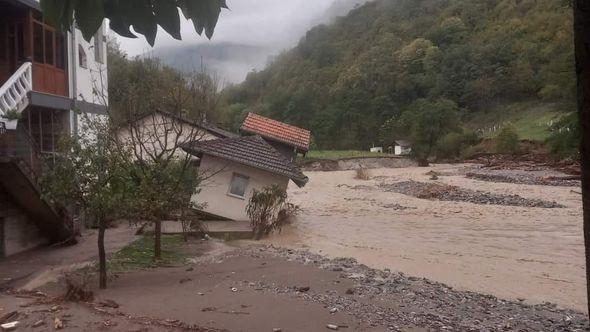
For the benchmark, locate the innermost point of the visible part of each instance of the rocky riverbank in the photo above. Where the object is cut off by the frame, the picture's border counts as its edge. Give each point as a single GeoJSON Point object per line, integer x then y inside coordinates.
{"type": "Point", "coordinates": [453, 193]}
{"type": "Point", "coordinates": [399, 302]}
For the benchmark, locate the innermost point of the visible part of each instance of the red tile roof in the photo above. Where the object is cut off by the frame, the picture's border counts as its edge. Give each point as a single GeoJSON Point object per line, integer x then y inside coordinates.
{"type": "Point", "coordinates": [277, 131]}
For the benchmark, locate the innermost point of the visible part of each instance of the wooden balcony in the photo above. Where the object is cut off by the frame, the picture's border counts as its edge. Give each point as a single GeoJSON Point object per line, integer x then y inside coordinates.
{"type": "Point", "coordinates": [25, 36]}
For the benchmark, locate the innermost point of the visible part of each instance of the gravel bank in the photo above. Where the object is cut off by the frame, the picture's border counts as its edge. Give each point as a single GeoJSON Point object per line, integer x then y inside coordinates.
{"type": "Point", "coordinates": [452, 193]}
{"type": "Point", "coordinates": [519, 177]}
{"type": "Point", "coordinates": [399, 302]}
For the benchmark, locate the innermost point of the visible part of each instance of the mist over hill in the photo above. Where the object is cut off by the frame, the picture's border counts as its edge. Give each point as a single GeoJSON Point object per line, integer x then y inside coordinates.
{"type": "Point", "coordinates": [232, 61]}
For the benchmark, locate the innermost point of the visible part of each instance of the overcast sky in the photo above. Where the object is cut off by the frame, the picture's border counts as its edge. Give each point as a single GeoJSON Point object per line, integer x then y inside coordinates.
{"type": "Point", "coordinates": [275, 23]}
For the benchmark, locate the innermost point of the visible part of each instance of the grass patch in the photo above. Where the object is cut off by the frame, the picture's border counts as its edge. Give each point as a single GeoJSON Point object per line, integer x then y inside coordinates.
{"type": "Point", "coordinates": [140, 254]}
{"type": "Point", "coordinates": [531, 120]}
{"type": "Point", "coordinates": [339, 154]}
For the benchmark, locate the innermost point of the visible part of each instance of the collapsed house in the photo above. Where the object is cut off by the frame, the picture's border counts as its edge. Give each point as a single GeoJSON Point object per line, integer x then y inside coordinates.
{"type": "Point", "coordinates": [45, 75]}
{"type": "Point", "coordinates": [287, 139]}
{"type": "Point", "coordinates": [234, 168]}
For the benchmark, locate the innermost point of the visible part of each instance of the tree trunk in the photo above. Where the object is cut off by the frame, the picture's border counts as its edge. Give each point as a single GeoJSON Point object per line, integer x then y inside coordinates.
{"type": "Point", "coordinates": [102, 260]}
{"type": "Point", "coordinates": [158, 240]}
{"type": "Point", "coordinates": [582, 46]}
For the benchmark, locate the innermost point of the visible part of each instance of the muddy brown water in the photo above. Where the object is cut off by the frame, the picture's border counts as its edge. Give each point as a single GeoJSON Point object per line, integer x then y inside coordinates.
{"type": "Point", "coordinates": [534, 254]}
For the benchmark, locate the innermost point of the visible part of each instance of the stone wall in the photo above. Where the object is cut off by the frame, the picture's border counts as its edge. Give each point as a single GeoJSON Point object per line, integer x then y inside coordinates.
{"type": "Point", "coordinates": [20, 233]}
{"type": "Point", "coordinates": [355, 163]}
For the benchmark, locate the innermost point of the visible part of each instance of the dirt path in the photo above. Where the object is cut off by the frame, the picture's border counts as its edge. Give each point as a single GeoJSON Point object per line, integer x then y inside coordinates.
{"type": "Point", "coordinates": [512, 252]}
{"type": "Point", "coordinates": [34, 268]}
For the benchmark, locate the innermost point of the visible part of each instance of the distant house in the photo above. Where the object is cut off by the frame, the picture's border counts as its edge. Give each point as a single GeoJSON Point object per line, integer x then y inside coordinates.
{"type": "Point", "coordinates": [234, 167]}
{"type": "Point", "coordinates": [287, 139]}
{"type": "Point", "coordinates": [402, 147]}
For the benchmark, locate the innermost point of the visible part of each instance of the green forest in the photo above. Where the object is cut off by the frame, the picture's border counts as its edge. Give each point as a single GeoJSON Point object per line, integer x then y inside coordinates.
{"type": "Point", "coordinates": [393, 67]}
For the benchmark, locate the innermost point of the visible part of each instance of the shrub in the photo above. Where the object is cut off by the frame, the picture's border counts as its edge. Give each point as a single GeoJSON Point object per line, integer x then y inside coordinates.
{"type": "Point", "coordinates": [269, 210]}
{"type": "Point", "coordinates": [363, 174]}
{"type": "Point", "coordinates": [453, 145]}
{"type": "Point", "coordinates": [507, 140]}
{"type": "Point", "coordinates": [564, 141]}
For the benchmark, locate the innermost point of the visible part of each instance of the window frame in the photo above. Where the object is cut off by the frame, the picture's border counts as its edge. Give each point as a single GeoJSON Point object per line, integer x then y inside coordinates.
{"type": "Point", "coordinates": [98, 44]}
{"type": "Point", "coordinates": [233, 177]}
{"type": "Point", "coordinates": [82, 57]}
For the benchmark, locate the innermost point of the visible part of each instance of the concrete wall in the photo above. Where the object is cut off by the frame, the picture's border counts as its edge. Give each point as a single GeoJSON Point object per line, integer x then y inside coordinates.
{"type": "Point", "coordinates": [215, 190]}
{"type": "Point", "coordinates": [20, 233]}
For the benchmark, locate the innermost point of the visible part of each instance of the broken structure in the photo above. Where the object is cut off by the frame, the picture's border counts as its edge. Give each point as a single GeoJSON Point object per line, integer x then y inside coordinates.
{"type": "Point", "coordinates": [234, 168]}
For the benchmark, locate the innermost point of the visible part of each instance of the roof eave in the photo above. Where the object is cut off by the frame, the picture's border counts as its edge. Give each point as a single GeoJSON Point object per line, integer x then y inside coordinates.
{"type": "Point", "coordinates": [299, 148]}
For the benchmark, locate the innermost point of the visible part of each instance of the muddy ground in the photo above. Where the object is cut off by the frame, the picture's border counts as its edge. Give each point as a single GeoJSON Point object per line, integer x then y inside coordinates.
{"type": "Point", "coordinates": [263, 288]}
{"type": "Point", "coordinates": [515, 252]}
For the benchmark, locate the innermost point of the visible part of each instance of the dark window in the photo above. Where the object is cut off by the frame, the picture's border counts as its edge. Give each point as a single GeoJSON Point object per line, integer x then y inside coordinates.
{"type": "Point", "coordinates": [37, 16]}
{"type": "Point", "coordinates": [98, 47]}
{"type": "Point", "coordinates": [49, 47]}
{"type": "Point", "coordinates": [21, 41]}
{"type": "Point", "coordinates": [238, 185]}
{"type": "Point", "coordinates": [38, 53]}
{"type": "Point", "coordinates": [3, 43]}
{"type": "Point", "coordinates": [60, 51]}
{"type": "Point", "coordinates": [82, 60]}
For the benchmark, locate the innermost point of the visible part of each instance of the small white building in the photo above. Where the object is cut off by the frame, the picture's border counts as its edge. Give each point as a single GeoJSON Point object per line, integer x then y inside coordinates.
{"type": "Point", "coordinates": [234, 168]}
{"type": "Point", "coordinates": [402, 148]}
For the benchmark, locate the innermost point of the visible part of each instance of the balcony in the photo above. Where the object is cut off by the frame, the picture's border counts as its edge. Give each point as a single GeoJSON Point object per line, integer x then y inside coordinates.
{"type": "Point", "coordinates": [24, 36]}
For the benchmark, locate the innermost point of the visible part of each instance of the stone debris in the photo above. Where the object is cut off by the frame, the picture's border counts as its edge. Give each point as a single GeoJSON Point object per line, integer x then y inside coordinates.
{"type": "Point", "coordinates": [457, 194]}
{"type": "Point", "coordinates": [529, 178]}
{"type": "Point", "coordinates": [412, 302]}
{"type": "Point", "coordinates": [11, 326]}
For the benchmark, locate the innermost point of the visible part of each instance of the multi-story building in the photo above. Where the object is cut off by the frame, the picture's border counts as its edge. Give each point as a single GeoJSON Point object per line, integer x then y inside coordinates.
{"type": "Point", "coordinates": [46, 78]}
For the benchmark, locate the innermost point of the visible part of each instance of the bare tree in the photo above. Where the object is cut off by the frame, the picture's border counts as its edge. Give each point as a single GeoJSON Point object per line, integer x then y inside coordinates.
{"type": "Point", "coordinates": [582, 52]}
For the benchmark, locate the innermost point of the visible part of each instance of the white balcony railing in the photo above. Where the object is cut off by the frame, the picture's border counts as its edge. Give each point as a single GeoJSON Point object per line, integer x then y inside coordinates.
{"type": "Point", "coordinates": [13, 93]}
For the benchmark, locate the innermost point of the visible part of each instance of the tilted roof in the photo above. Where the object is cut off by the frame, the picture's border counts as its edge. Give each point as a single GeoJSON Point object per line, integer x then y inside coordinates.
{"type": "Point", "coordinates": [277, 131]}
{"type": "Point", "coordinates": [252, 151]}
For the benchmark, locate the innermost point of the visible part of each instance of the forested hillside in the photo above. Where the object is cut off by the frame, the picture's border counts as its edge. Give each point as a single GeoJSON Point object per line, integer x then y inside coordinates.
{"type": "Point", "coordinates": [346, 80]}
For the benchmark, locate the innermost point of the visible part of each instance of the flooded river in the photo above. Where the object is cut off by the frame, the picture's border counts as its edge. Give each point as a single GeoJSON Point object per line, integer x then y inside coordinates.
{"type": "Point", "coordinates": [535, 254]}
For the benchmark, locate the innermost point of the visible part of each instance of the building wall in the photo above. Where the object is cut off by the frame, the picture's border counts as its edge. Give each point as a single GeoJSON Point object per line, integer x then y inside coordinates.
{"type": "Point", "coordinates": [88, 83]}
{"type": "Point", "coordinates": [159, 128]}
{"type": "Point", "coordinates": [214, 191]}
{"type": "Point", "coordinates": [20, 233]}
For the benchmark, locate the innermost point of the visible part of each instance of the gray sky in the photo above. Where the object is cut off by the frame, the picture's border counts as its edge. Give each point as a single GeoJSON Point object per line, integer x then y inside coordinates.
{"type": "Point", "coordinates": [275, 23]}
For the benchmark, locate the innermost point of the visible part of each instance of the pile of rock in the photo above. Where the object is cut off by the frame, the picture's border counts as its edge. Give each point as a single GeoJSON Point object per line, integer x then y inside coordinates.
{"type": "Point", "coordinates": [526, 178]}
{"type": "Point", "coordinates": [452, 193]}
{"type": "Point", "coordinates": [399, 302]}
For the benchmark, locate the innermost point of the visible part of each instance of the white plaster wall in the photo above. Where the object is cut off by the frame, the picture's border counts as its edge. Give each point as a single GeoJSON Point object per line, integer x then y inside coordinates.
{"type": "Point", "coordinates": [214, 191]}
{"type": "Point", "coordinates": [91, 82]}
{"type": "Point", "coordinates": [152, 130]}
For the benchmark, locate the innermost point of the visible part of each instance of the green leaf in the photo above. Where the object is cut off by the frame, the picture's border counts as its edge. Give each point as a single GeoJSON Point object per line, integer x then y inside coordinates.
{"type": "Point", "coordinates": [167, 17]}
{"type": "Point", "coordinates": [89, 16]}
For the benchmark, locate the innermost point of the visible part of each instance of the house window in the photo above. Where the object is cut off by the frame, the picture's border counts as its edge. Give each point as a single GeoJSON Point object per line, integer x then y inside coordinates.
{"type": "Point", "coordinates": [45, 42]}
{"type": "Point", "coordinates": [60, 51]}
{"type": "Point", "coordinates": [82, 60]}
{"type": "Point", "coordinates": [238, 185]}
{"type": "Point", "coordinates": [98, 48]}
